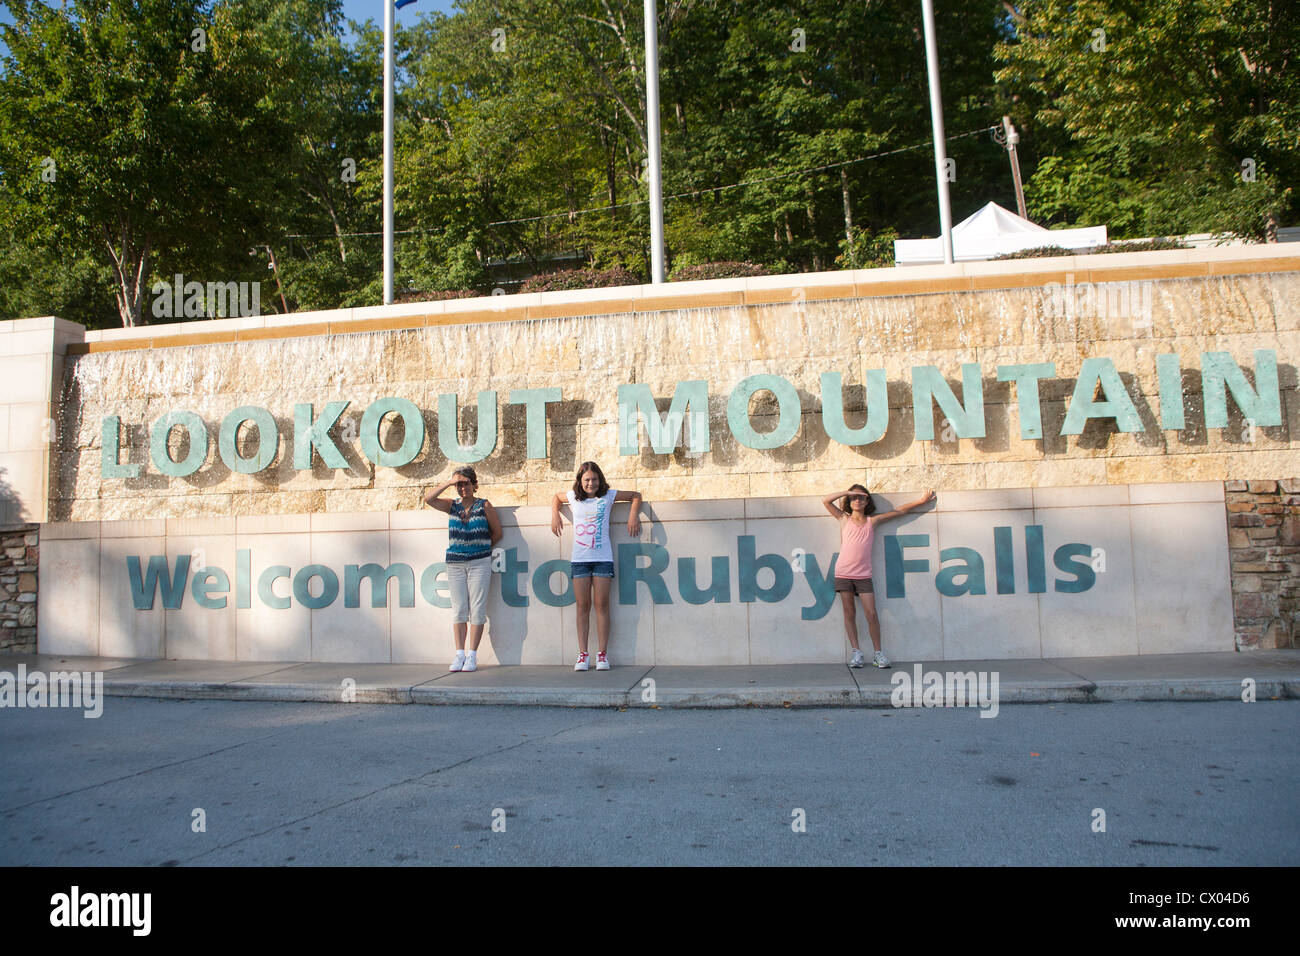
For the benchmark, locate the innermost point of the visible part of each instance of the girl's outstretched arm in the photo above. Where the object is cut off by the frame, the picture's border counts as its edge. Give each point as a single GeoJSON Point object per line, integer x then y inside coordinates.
{"type": "Point", "coordinates": [557, 522]}
{"type": "Point", "coordinates": [901, 510]}
{"type": "Point", "coordinates": [634, 519]}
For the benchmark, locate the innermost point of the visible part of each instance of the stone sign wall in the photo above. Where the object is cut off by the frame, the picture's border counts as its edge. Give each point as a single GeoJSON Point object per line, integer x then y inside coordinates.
{"type": "Point", "coordinates": [233, 489]}
{"type": "Point", "coordinates": [1142, 369]}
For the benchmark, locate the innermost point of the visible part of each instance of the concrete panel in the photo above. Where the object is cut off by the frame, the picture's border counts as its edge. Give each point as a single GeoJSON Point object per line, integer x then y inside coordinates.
{"type": "Point", "coordinates": [714, 510]}
{"type": "Point", "coordinates": [1083, 496]}
{"type": "Point", "coordinates": [1164, 588]}
{"type": "Point", "coordinates": [709, 633]}
{"type": "Point", "coordinates": [34, 342]}
{"type": "Point", "coordinates": [24, 379]}
{"type": "Point", "coordinates": [67, 619]}
{"type": "Point", "coordinates": [195, 632]}
{"type": "Point", "coordinates": [368, 521]}
{"type": "Point", "coordinates": [1104, 617]}
{"type": "Point", "coordinates": [1183, 596]}
{"type": "Point", "coordinates": [272, 524]}
{"type": "Point", "coordinates": [778, 632]}
{"type": "Point", "coordinates": [142, 528]}
{"type": "Point", "coordinates": [360, 634]}
{"type": "Point", "coordinates": [988, 626]}
{"type": "Point", "coordinates": [266, 633]}
{"type": "Point", "coordinates": [800, 506]}
{"type": "Point", "coordinates": [911, 626]}
{"type": "Point", "coordinates": [201, 527]}
{"type": "Point", "coordinates": [124, 629]}
{"type": "Point", "coordinates": [22, 484]}
{"type": "Point", "coordinates": [27, 429]}
{"type": "Point", "coordinates": [421, 634]}
{"type": "Point", "coordinates": [1001, 499]}
{"type": "Point", "coordinates": [530, 634]}
{"type": "Point", "coordinates": [1167, 492]}
{"type": "Point", "coordinates": [423, 520]}
{"type": "Point", "coordinates": [68, 530]}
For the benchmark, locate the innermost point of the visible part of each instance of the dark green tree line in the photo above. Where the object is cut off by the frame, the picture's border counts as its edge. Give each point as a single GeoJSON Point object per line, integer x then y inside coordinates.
{"type": "Point", "coordinates": [795, 135]}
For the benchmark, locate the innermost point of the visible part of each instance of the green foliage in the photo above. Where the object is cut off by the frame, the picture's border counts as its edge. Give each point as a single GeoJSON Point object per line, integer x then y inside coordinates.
{"type": "Point", "coordinates": [441, 295]}
{"type": "Point", "coordinates": [51, 280]}
{"type": "Point", "coordinates": [1181, 115]}
{"type": "Point", "coordinates": [718, 270]}
{"type": "Point", "coordinates": [580, 279]}
{"type": "Point", "coordinates": [795, 137]}
{"type": "Point", "coordinates": [1037, 252]}
{"type": "Point", "coordinates": [867, 250]}
{"type": "Point", "coordinates": [1141, 245]}
{"type": "Point", "coordinates": [173, 150]}
{"type": "Point", "coordinates": [1138, 245]}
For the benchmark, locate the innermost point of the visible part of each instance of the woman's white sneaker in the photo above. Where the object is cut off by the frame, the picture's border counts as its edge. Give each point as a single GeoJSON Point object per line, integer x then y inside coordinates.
{"type": "Point", "coordinates": [582, 664]}
{"type": "Point", "coordinates": [458, 663]}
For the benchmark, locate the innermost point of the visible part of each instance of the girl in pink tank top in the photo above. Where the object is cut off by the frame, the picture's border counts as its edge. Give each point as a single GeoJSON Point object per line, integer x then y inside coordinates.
{"type": "Point", "coordinates": [855, 511]}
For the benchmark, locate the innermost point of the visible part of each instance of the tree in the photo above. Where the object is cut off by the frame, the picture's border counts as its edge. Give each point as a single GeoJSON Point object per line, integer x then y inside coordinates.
{"type": "Point", "coordinates": [1189, 107]}
{"type": "Point", "coordinates": [155, 133]}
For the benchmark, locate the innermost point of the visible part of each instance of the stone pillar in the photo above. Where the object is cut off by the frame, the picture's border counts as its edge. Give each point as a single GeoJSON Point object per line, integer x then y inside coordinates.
{"type": "Point", "coordinates": [1264, 551]}
{"type": "Point", "coordinates": [18, 555]}
{"type": "Point", "coordinates": [31, 372]}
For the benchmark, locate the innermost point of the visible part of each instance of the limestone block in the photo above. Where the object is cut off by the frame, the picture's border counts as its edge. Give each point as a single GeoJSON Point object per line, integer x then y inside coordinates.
{"type": "Point", "coordinates": [1055, 472]}
{"type": "Point", "coordinates": [1192, 467]}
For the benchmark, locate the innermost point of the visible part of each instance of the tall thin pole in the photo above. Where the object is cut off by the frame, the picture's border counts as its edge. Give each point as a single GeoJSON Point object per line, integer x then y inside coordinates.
{"type": "Point", "coordinates": [388, 151]}
{"type": "Point", "coordinates": [936, 122]}
{"type": "Point", "coordinates": [1013, 138]}
{"type": "Point", "coordinates": [652, 137]}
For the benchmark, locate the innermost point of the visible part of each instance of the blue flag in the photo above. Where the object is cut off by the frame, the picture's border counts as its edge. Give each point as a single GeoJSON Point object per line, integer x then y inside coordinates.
{"type": "Point", "coordinates": [403, 3]}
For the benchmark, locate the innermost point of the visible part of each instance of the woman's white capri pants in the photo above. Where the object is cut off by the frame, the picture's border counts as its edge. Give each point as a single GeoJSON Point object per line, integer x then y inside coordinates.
{"type": "Point", "coordinates": [468, 582]}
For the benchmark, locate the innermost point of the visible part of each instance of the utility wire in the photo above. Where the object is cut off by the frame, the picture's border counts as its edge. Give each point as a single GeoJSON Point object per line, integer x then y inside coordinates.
{"type": "Point", "coordinates": [686, 195]}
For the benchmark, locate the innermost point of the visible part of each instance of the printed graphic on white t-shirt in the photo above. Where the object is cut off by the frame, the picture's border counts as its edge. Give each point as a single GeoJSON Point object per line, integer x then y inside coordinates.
{"type": "Point", "coordinates": [591, 527]}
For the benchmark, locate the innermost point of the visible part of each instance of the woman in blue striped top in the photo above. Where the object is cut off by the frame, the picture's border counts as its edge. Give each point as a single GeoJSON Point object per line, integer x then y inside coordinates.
{"type": "Point", "coordinates": [472, 530]}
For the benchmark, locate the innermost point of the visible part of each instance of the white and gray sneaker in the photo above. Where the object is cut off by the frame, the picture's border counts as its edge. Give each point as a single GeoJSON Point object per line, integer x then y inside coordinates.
{"type": "Point", "coordinates": [471, 661]}
{"type": "Point", "coordinates": [857, 660]}
{"type": "Point", "coordinates": [458, 664]}
{"type": "Point", "coordinates": [879, 659]}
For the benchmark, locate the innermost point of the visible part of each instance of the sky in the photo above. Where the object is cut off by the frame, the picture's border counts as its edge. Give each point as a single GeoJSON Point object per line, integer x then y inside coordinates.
{"type": "Point", "coordinates": [362, 10]}
{"type": "Point", "coordinates": [359, 10]}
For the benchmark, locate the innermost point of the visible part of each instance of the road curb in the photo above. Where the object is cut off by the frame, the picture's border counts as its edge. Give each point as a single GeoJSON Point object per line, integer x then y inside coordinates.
{"type": "Point", "coordinates": [873, 695]}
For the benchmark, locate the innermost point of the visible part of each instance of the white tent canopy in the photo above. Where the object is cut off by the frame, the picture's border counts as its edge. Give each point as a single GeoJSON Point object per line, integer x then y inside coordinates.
{"type": "Point", "coordinates": [993, 231]}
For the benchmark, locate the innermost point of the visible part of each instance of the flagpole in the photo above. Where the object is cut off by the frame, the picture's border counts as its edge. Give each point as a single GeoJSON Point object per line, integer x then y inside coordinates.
{"type": "Point", "coordinates": [388, 151]}
{"type": "Point", "coordinates": [652, 138]}
{"type": "Point", "coordinates": [936, 124]}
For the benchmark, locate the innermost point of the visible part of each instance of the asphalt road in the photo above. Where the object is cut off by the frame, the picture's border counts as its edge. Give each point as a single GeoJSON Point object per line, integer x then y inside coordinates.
{"type": "Point", "coordinates": [305, 784]}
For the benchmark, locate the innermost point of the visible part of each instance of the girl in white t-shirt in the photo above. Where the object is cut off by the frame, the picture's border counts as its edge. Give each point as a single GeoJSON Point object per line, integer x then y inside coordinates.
{"type": "Point", "coordinates": [590, 503]}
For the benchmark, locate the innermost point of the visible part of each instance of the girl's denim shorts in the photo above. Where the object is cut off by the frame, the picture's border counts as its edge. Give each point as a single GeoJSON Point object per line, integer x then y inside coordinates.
{"type": "Point", "coordinates": [593, 569]}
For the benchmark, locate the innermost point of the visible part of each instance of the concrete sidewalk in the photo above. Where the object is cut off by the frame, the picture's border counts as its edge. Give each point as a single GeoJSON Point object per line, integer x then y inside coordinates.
{"type": "Point", "coordinates": [1276, 675]}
